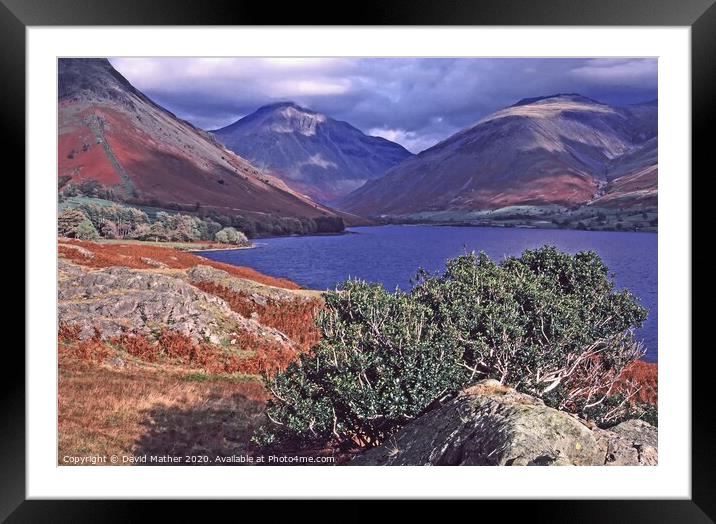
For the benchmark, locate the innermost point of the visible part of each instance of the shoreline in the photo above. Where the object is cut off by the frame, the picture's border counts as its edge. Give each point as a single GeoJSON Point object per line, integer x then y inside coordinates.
{"type": "Point", "coordinates": [232, 248]}
{"type": "Point", "coordinates": [186, 247]}
{"type": "Point", "coordinates": [502, 226]}
{"type": "Point", "coordinates": [342, 233]}
{"type": "Point", "coordinates": [262, 261]}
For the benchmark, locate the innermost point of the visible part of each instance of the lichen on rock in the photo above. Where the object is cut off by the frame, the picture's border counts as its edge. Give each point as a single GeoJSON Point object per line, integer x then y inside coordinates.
{"type": "Point", "coordinates": [489, 424]}
{"type": "Point", "coordinates": [118, 300]}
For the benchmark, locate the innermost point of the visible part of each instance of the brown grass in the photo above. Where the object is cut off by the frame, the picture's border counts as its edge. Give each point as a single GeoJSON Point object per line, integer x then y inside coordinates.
{"type": "Point", "coordinates": [136, 411]}
{"type": "Point", "coordinates": [147, 256]}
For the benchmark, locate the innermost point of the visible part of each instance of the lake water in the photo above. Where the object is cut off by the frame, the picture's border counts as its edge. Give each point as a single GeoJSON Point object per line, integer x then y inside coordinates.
{"type": "Point", "coordinates": [392, 254]}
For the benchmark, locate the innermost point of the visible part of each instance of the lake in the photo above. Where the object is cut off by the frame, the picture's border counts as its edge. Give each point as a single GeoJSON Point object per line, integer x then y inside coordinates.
{"type": "Point", "coordinates": [392, 254]}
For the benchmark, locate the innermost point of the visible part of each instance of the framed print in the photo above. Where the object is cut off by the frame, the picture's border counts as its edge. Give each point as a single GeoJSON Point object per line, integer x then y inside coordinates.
{"type": "Point", "coordinates": [347, 248]}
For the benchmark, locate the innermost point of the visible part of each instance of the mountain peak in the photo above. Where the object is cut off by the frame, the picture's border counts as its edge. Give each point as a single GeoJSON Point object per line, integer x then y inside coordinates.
{"type": "Point", "coordinates": [313, 153]}
{"type": "Point", "coordinates": [571, 97]}
{"type": "Point", "coordinates": [283, 117]}
{"type": "Point", "coordinates": [93, 78]}
{"type": "Point", "coordinates": [281, 105]}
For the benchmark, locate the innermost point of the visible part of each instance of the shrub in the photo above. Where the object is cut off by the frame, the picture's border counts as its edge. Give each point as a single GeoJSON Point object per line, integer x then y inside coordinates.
{"type": "Point", "coordinates": [115, 220]}
{"type": "Point", "coordinates": [86, 231]}
{"type": "Point", "coordinates": [156, 232]}
{"type": "Point", "coordinates": [109, 229]}
{"type": "Point", "coordinates": [547, 323]}
{"type": "Point", "coordinates": [71, 346]}
{"type": "Point", "coordinates": [208, 229]}
{"type": "Point", "coordinates": [229, 235]}
{"type": "Point", "coordinates": [75, 224]}
{"type": "Point", "coordinates": [90, 188]}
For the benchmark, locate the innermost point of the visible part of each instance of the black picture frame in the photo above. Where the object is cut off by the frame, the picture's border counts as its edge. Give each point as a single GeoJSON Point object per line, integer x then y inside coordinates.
{"type": "Point", "coordinates": [700, 15]}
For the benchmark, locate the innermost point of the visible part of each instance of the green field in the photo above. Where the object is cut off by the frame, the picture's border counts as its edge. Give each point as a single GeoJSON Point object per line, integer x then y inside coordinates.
{"type": "Point", "coordinates": [181, 246]}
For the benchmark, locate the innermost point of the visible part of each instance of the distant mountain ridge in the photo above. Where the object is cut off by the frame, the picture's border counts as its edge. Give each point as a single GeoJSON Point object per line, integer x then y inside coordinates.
{"type": "Point", "coordinates": [563, 149]}
{"type": "Point", "coordinates": [314, 154]}
{"type": "Point", "coordinates": [571, 96]}
{"type": "Point", "coordinates": [112, 134]}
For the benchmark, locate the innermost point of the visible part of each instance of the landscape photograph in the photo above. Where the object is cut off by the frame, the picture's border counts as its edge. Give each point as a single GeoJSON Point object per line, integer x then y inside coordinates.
{"type": "Point", "coordinates": [333, 261]}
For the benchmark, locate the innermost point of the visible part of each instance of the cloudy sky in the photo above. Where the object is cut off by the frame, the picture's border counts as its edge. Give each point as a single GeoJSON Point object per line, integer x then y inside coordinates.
{"type": "Point", "coordinates": [414, 101]}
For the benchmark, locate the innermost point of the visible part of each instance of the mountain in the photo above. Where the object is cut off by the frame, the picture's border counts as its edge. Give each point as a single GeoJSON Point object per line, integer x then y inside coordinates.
{"type": "Point", "coordinates": [113, 135]}
{"type": "Point", "coordinates": [563, 149]}
{"type": "Point", "coordinates": [313, 153]}
{"type": "Point", "coordinates": [633, 179]}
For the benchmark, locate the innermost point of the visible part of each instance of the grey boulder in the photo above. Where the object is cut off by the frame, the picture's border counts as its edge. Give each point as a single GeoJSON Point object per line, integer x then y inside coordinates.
{"type": "Point", "coordinates": [489, 424]}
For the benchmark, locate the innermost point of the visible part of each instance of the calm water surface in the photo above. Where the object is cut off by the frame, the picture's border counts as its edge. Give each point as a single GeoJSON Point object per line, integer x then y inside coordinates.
{"type": "Point", "coordinates": [391, 255]}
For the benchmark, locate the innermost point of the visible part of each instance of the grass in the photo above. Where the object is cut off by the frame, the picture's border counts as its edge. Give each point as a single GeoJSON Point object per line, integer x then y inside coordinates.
{"type": "Point", "coordinates": [181, 246]}
{"type": "Point", "coordinates": [135, 411]}
{"type": "Point", "coordinates": [197, 377]}
{"type": "Point", "coordinates": [166, 406]}
{"type": "Point", "coordinates": [206, 377]}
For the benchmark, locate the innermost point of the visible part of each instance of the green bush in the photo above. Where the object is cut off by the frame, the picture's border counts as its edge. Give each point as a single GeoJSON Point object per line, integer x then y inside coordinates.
{"type": "Point", "coordinates": [114, 220]}
{"type": "Point", "coordinates": [547, 323]}
{"type": "Point", "coordinates": [229, 235]}
{"type": "Point", "coordinates": [75, 224]}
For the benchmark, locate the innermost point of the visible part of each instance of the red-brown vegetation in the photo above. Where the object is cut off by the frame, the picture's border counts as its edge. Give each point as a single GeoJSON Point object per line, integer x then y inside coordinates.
{"type": "Point", "coordinates": [296, 318]}
{"type": "Point", "coordinates": [163, 158]}
{"type": "Point", "coordinates": [637, 384]}
{"type": "Point", "coordinates": [79, 153]}
{"type": "Point", "coordinates": [645, 374]}
{"type": "Point", "coordinates": [137, 410]}
{"type": "Point", "coordinates": [253, 355]}
{"type": "Point", "coordinates": [140, 256]}
{"type": "Point", "coordinates": [91, 349]}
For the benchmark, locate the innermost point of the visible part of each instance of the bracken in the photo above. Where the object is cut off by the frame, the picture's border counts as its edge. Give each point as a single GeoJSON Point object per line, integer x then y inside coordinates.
{"type": "Point", "coordinates": [266, 358]}
{"type": "Point", "coordinates": [138, 256]}
{"type": "Point", "coordinates": [296, 318]}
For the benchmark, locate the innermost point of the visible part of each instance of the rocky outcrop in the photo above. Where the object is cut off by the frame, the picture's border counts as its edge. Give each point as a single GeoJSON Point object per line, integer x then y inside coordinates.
{"type": "Point", "coordinates": [631, 443]}
{"type": "Point", "coordinates": [119, 300]}
{"type": "Point", "coordinates": [259, 294]}
{"type": "Point", "coordinates": [492, 425]}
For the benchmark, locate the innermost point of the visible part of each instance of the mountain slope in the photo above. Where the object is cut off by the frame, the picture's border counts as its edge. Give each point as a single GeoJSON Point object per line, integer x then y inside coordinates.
{"type": "Point", "coordinates": [561, 149]}
{"type": "Point", "coordinates": [112, 134]}
{"type": "Point", "coordinates": [313, 153]}
{"type": "Point", "coordinates": [633, 179]}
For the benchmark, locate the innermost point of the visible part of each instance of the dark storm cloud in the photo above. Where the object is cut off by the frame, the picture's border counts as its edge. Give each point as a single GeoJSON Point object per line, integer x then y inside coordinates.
{"type": "Point", "coordinates": [416, 102]}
